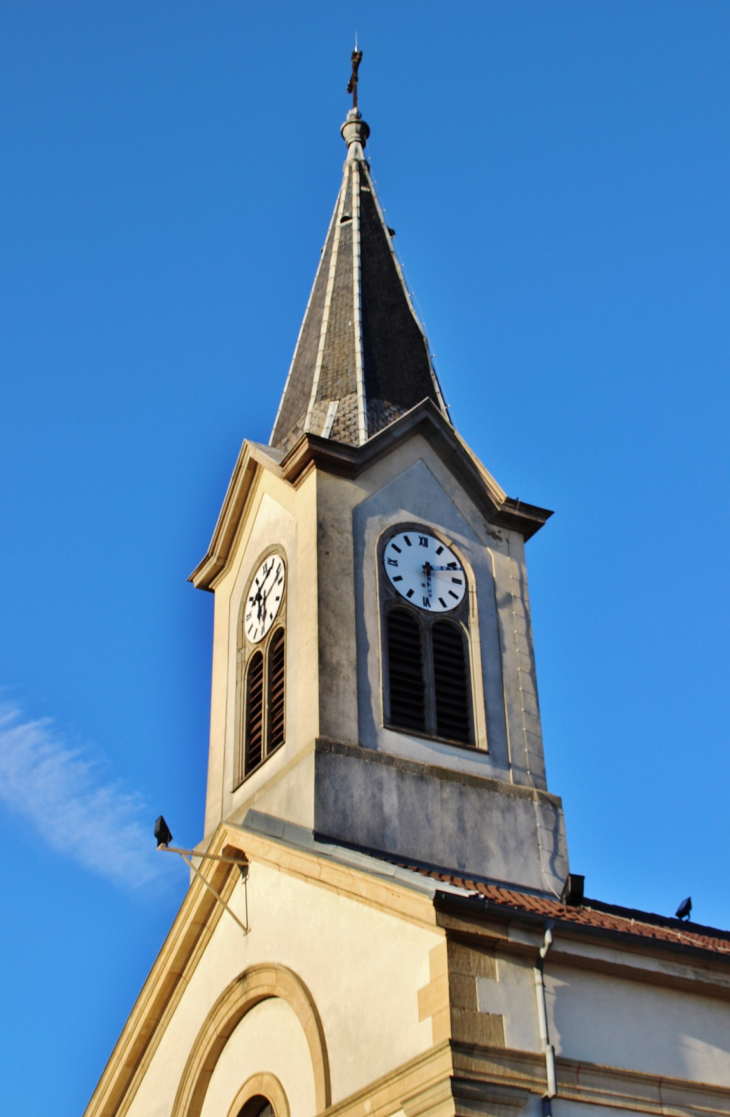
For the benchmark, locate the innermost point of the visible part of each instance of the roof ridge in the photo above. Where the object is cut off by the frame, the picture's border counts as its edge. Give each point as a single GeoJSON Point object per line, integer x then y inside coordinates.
{"type": "Point", "coordinates": [656, 919]}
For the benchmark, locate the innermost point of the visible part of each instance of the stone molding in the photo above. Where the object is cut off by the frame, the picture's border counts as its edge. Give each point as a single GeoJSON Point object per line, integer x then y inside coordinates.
{"type": "Point", "coordinates": [183, 948]}
{"type": "Point", "coordinates": [253, 986]}
{"type": "Point", "coordinates": [450, 999]}
{"type": "Point", "coordinates": [312, 451]}
{"type": "Point", "coordinates": [438, 772]}
{"type": "Point", "coordinates": [466, 1080]}
{"type": "Point", "coordinates": [251, 458]}
{"type": "Point", "coordinates": [269, 1086]}
{"type": "Point", "coordinates": [592, 1083]}
{"type": "Point", "coordinates": [193, 928]}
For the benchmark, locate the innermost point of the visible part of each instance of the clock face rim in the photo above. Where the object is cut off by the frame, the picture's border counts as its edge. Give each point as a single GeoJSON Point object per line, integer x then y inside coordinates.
{"type": "Point", "coordinates": [271, 618]}
{"type": "Point", "coordinates": [433, 608]}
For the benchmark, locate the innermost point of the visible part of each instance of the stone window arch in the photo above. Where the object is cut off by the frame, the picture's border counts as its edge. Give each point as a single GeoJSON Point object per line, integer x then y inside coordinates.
{"type": "Point", "coordinates": [261, 1096]}
{"type": "Point", "coordinates": [245, 991]}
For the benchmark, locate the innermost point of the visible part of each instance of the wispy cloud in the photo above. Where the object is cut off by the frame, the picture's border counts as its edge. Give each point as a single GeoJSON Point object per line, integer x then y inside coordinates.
{"type": "Point", "coordinates": [63, 791]}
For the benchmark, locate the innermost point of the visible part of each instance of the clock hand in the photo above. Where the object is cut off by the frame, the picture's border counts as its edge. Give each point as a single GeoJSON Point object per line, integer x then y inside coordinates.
{"type": "Point", "coordinates": [256, 599]}
{"type": "Point", "coordinates": [268, 591]}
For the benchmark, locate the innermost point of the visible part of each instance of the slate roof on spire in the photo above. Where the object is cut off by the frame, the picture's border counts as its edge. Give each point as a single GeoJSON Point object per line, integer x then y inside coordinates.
{"type": "Point", "coordinates": [361, 359]}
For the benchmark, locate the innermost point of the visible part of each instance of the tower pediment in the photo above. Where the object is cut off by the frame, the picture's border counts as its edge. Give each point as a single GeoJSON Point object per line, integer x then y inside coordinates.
{"type": "Point", "coordinates": [314, 452]}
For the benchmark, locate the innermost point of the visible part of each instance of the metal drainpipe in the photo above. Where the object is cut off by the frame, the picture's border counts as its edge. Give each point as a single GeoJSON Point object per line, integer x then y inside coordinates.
{"type": "Point", "coordinates": [542, 1022]}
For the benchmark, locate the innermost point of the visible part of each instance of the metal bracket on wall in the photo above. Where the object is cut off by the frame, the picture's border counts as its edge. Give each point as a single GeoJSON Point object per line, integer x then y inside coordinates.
{"type": "Point", "coordinates": [188, 854]}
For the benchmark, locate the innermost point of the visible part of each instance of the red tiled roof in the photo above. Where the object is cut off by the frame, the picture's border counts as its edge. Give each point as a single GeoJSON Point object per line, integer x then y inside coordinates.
{"type": "Point", "coordinates": [592, 913]}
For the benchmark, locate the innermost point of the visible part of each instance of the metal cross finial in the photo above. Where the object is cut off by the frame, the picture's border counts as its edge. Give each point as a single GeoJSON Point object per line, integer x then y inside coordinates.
{"type": "Point", "coordinates": [352, 84]}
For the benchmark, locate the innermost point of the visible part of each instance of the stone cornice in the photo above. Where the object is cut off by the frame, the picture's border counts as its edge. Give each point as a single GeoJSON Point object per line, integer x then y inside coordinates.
{"type": "Point", "coordinates": [424, 419]}
{"type": "Point", "coordinates": [437, 772]}
{"type": "Point", "coordinates": [313, 452]}
{"type": "Point", "coordinates": [458, 1079]}
{"type": "Point", "coordinates": [251, 458]}
{"type": "Point", "coordinates": [601, 949]}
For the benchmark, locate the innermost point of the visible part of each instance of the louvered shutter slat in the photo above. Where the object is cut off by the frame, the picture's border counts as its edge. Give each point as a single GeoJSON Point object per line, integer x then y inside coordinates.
{"type": "Point", "coordinates": [254, 711]}
{"type": "Point", "coordinates": [276, 692]}
{"type": "Point", "coordinates": [405, 659]}
{"type": "Point", "coordinates": [451, 683]}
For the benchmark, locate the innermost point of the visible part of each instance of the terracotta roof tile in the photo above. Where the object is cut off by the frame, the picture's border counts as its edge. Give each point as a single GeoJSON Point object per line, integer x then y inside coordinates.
{"type": "Point", "coordinates": [592, 913]}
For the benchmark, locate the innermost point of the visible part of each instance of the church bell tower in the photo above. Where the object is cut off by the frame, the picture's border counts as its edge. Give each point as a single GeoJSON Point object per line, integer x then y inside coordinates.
{"type": "Point", "coordinates": [380, 921]}
{"type": "Point", "coordinates": [373, 666]}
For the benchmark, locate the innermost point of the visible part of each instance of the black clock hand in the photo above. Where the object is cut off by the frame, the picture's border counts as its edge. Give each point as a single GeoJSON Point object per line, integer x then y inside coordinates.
{"type": "Point", "coordinates": [268, 591]}
{"type": "Point", "coordinates": [256, 600]}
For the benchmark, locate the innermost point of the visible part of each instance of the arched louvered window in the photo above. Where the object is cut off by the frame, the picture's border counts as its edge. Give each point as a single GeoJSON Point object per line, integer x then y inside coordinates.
{"type": "Point", "coordinates": [275, 656]}
{"type": "Point", "coordinates": [265, 705]}
{"type": "Point", "coordinates": [427, 673]}
{"type": "Point", "coordinates": [428, 678]}
{"type": "Point", "coordinates": [254, 711]}
{"type": "Point", "coordinates": [450, 681]}
{"type": "Point", "coordinates": [260, 669]}
{"type": "Point", "coordinates": [405, 671]}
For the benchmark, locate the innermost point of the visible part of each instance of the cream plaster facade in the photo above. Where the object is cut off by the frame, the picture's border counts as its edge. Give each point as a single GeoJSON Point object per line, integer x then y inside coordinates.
{"type": "Point", "coordinates": [361, 988]}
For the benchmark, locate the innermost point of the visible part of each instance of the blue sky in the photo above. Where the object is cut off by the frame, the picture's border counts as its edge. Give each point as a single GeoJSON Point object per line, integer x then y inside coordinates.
{"type": "Point", "coordinates": [558, 176]}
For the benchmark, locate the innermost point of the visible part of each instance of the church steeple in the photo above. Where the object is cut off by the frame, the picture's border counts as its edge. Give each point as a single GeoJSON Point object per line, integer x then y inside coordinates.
{"type": "Point", "coordinates": [362, 358]}
{"type": "Point", "coordinates": [373, 670]}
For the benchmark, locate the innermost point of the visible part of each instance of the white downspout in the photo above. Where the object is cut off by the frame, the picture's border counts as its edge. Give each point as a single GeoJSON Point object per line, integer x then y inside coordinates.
{"type": "Point", "coordinates": [542, 1022]}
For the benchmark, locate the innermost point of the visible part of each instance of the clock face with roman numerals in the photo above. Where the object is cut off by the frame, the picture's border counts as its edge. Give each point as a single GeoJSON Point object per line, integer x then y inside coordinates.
{"type": "Point", "coordinates": [424, 571]}
{"type": "Point", "coordinates": [264, 598]}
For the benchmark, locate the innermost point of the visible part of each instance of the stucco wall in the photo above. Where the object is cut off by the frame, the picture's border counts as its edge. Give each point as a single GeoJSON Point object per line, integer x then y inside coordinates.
{"type": "Point", "coordinates": [269, 1040]}
{"type": "Point", "coordinates": [328, 529]}
{"type": "Point", "coordinates": [609, 1020]}
{"type": "Point", "coordinates": [354, 959]}
{"type": "Point", "coordinates": [283, 516]}
{"type": "Point", "coordinates": [603, 1019]}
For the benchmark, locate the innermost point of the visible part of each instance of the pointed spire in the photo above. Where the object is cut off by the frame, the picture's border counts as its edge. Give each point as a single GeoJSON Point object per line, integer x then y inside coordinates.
{"type": "Point", "coordinates": [361, 359]}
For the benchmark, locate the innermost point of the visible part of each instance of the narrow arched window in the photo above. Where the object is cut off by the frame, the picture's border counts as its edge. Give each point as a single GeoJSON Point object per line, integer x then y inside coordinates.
{"type": "Point", "coordinates": [260, 725]}
{"type": "Point", "coordinates": [257, 1106]}
{"type": "Point", "coordinates": [450, 682]}
{"type": "Point", "coordinates": [405, 671]}
{"type": "Point", "coordinates": [265, 715]}
{"type": "Point", "coordinates": [254, 711]}
{"type": "Point", "coordinates": [275, 686]}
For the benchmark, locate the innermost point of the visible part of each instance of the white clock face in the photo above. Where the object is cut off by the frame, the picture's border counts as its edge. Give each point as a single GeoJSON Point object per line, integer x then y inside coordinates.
{"type": "Point", "coordinates": [424, 571]}
{"type": "Point", "coordinates": [264, 598]}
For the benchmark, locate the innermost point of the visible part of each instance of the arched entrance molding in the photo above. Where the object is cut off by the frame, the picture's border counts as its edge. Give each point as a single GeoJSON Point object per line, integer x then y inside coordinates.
{"type": "Point", "coordinates": [255, 985]}
{"type": "Point", "coordinates": [268, 1086]}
